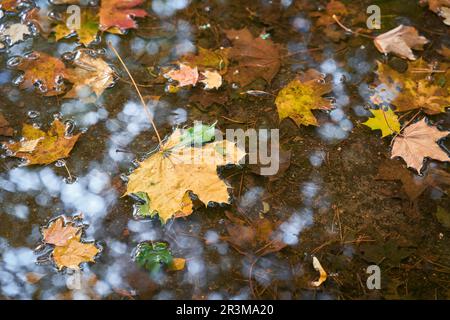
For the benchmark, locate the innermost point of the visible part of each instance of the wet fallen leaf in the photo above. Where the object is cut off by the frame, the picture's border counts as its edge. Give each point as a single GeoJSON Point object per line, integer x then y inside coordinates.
{"type": "Point", "coordinates": [444, 51]}
{"type": "Point", "coordinates": [325, 17]}
{"type": "Point", "coordinates": [179, 167]}
{"type": "Point", "coordinates": [14, 33]}
{"type": "Point", "coordinates": [390, 251]}
{"type": "Point", "coordinates": [212, 79]}
{"type": "Point", "coordinates": [412, 184]}
{"type": "Point", "coordinates": [87, 32]}
{"type": "Point", "coordinates": [120, 14]}
{"type": "Point", "coordinates": [153, 256]}
{"type": "Point", "coordinates": [400, 41]}
{"type": "Point", "coordinates": [39, 17]}
{"type": "Point", "coordinates": [207, 99]}
{"type": "Point", "coordinates": [10, 5]}
{"type": "Point", "coordinates": [413, 89]}
{"type": "Point", "coordinates": [298, 98]}
{"type": "Point", "coordinates": [254, 236]}
{"type": "Point", "coordinates": [441, 8]}
{"type": "Point", "coordinates": [443, 216]}
{"type": "Point", "coordinates": [39, 147]}
{"type": "Point", "coordinates": [5, 129]}
{"type": "Point", "coordinates": [185, 75]}
{"type": "Point", "coordinates": [418, 141]}
{"type": "Point", "coordinates": [58, 232]}
{"type": "Point", "coordinates": [43, 71]}
{"type": "Point", "coordinates": [386, 121]}
{"type": "Point", "coordinates": [256, 58]}
{"type": "Point", "coordinates": [209, 59]}
{"type": "Point", "coordinates": [74, 253]}
{"type": "Point", "coordinates": [90, 71]}
{"type": "Point", "coordinates": [33, 277]}
{"type": "Point", "coordinates": [322, 273]}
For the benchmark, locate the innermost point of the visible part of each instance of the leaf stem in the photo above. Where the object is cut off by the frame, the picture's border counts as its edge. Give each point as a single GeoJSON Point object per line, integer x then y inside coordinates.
{"type": "Point", "coordinates": [144, 105]}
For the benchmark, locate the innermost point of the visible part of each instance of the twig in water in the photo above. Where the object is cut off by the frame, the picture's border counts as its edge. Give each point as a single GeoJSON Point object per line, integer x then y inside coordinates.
{"type": "Point", "coordinates": [144, 105]}
{"type": "Point", "coordinates": [350, 30]}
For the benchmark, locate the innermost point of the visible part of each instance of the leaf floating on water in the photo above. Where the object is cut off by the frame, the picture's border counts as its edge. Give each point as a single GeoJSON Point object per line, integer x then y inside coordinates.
{"type": "Point", "coordinates": [400, 41]}
{"type": "Point", "coordinates": [153, 256]}
{"type": "Point", "coordinates": [441, 8]}
{"type": "Point", "coordinates": [87, 32]}
{"type": "Point", "coordinates": [178, 167]}
{"type": "Point", "coordinates": [386, 121]}
{"type": "Point", "coordinates": [185, 75]}
{"type": "Point", "coordinates": [14, 33]}
{"type": "Point", "coordinates": [39, 147]}
{"type": "Point", "coordinates": [298, 98]}
{"type": "Point", "coordinates": [91, 72]}
{"type": "Point", "coordinates": [74, 253]}
{"type": "Point", "coordinates": [322, 273]}
{"type": "Point", "coordinates": [209, 59]}
{"type": "Point", "coordinates": [10, 5]}
{"type": "Point", "coordinates": [212, 80]}
{"type": "Point", "coordinates": [43, 71]}
{"type": "Point", "coordinates": [413, 89]}
{"type": "Point", "coordinates": [120, 14]}
{"type": "Point", "coordinates": [418, 141]}
{"type": "Point", "coordinates": [59, 232]}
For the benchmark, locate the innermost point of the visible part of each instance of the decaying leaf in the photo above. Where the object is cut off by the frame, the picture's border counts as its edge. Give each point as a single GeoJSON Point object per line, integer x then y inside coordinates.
{"type": "Point", "coordinates": [256, 58]}
{"type": "Point", "coordinates": [441, 8]}
{"type": "Point", "coordinates": [443, 216]}
{"type": "Point", "coordinates": [400, 41]}
{"type": "Point", "coordinates": [413, 89]}
{"type": "Point", "coordinates": [43, 72]}
{"type": "Point", "coordinates": [179, 167]}
{"type": "Point", "coordinates": [444, 51]}
{"type": "Point", "coordinates": [212, 79]}
{"type": "Point", "coordinates": [414, 185]}
{"type": "Point", "coordinates": [58, 232]}
{"type": "Point", "coordinates": [39, 147]}
{"type": "Point", "coordinates": [386, 121]}
{"type": "Point", "coordinates": [120, 14]}
{"type": "Point", "coordinates": [322, 273]}
{"type": "Point", "coordinates": [5, 129]}
{"type": "Point", "coordinates": [10, 5]}
{"type": "Point", "coordinates": [418, 141]}
{"type": "Point", "coordinates": [87, 32]}
{"type": "Point", "coordinates": [185, 75]}
{"type": "Point", "coordinates": [257, 237]}
{"type": "Point", "coordinates": [74, 253]}
{"type": "Point", "coordinates": [209, 59]}
{"type": "Point", "coordinates": [298, 98]}
{"type": "Point", "coordinates": [90, 71]}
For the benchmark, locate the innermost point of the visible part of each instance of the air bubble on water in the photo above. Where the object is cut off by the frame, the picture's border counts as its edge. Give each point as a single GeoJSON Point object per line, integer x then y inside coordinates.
{"type": "Point", "coordinates": [124, 177]}
{"type": "Point", "coordinates": [14, 61]}
{"type": "Point", "coordinates": [57, 116]}
{"type": "Point", "coordinates": [55, 16]}
{"type": "Point", "coordinates": [234, 86]}
{"type": "Point", "coordinates": [321, 81]}
{"type": "Point", "coordinates": [70, 180]}
{"type": "Point", "coordinates": [33, 114]}
{"type": "Point", "coordinates": [42, 88]}
{"type": "Point", "coordinates": [135, 163]}
{"type": "Point", "coordinates": [32, 56]}
{"type": "Point", "coordinates": [68, 56]}
{"type": "Point", "coordinates": [60, 163]}
{"type": "Point", "coordinates": [101, 51]}
{"type": "Point", "coordinates": [70, 127]}
{"type": "Point", "coordinates": [18, 80]}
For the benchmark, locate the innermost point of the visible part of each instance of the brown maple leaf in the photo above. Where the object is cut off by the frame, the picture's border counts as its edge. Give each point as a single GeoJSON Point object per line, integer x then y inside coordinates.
{"type": "Point", "coordinates": [39, 147]}
{"type": "Point", "coordinates": [400, 41]}
{"type": "Point", "coordinates": [5, 129]}
{"type": "Point", "coordinates": [58, 232]}
{"type": "Point", "coordinates": [44, 72]}
{"type": "Point", "coordinates": [258, 237]}
{"type": "Point", "coordinates": [418, 141]}
{"type": "Point", "coordinates": [413, 185]}
{"type": "Point", "coordinates": [256, 58]}
{"type": "Point", "coordinates": [120, 14]}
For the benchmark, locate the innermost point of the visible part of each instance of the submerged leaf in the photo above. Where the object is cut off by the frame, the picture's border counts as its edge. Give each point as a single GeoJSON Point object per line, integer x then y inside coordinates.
{"type": "Point", "coordinates": [298, 98]}
{"type": "Point", "coordinates": [153, 256]}
{"type": "Point", "coordinates": [5, 129]}
{"type": "Point", "coordinates": [185, 75]}
{"type": "Point", "coordinates": [39, 147]}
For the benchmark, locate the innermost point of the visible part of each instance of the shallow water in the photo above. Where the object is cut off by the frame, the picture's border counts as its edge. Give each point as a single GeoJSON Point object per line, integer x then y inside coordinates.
{"type": "Point", "coordinates": [328, 203]}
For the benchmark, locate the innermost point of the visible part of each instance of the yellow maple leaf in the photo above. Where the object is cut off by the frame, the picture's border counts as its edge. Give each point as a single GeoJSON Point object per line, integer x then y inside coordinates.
{"type": "Point", "coordinates": [386, 121]}
{"type": "Point", "coordinates": [298, 98]}
{"type": "Point", "coordinates": [39, 147]}
{"type": "Point", "coordinates": [177, 168]}
{"type": "Point", "coordinates": [87, 32]}
{"type": "Point", "coordinates": [74, 253]}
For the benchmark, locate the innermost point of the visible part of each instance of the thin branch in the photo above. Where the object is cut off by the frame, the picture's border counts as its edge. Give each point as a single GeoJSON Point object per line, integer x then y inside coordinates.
{"type": "Point", "coordinates": [144, 105]}
{"type": "Point", "coordinates": [350, 30]}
